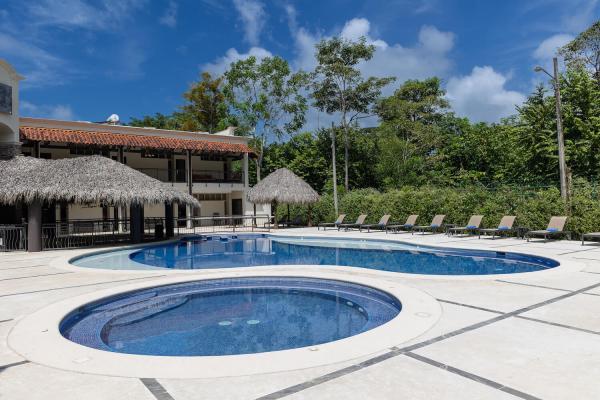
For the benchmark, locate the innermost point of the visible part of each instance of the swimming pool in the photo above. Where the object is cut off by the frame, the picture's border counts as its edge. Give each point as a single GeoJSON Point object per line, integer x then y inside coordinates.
{"type": "Point", "coordinates": [230, 316]}
{"type": "Point", "coordinates": [248, 250]}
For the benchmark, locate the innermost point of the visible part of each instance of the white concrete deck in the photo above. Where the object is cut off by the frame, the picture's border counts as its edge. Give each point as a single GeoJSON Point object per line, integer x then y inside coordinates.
{"type": "Point", "coordinates": [519, 336]}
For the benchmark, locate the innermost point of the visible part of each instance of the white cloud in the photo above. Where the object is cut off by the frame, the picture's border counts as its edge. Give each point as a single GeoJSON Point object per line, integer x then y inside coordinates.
{"type": "Point", "coordinates": [58, 111]}
{"type": "Point", "coordinates": [426, 58]}
{"type": "Point", "coordinates": [222, 64]}
{"type": "Point", "coordinates": [169, 18]}
{"type": "Point", "coordinates": [253, 16]}
{"type": "Point", "coordinates": [547, 49]}
{"type": "Point", "coordinates": [482, 95]}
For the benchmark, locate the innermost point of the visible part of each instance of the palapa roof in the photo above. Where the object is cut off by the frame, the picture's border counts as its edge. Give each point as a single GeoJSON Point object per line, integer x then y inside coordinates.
{"type": "Point", "coordinates": [282, 186]}
{"type": "Point", "coordinates": [91, 179]}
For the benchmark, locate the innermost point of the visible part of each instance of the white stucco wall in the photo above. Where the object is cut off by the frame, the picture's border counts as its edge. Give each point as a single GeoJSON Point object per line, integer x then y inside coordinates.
{"type": "Point", "coordinates": [9, 123]}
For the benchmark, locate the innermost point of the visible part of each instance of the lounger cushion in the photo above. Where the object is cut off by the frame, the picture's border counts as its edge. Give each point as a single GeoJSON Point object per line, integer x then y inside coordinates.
{"type": "Point", "coordinates": [503, 228]}
{"type": "Point", "coordinates": [552, 230]}
{"type": "Point", "coordinates": [434, 226]}
{"type": "Point", "coordinates": [471, 227]}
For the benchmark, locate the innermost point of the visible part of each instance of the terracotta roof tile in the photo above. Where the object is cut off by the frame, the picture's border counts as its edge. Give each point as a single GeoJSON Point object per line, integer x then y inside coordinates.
{"type": "Point", "coordinates": [128, 140]}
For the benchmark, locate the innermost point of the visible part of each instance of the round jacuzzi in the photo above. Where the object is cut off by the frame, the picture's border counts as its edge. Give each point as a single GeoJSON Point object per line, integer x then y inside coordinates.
{"type": "Point", "coordinates": [230, 316]}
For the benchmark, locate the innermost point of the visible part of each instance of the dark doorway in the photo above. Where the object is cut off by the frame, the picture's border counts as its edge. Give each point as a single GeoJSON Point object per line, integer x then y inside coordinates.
{"type": "Point", "coordinates": [181, 215]}
{"type": "Point", "coordinates": [180, 171]}
{"type": "Point", "coordinates": [236, 209]}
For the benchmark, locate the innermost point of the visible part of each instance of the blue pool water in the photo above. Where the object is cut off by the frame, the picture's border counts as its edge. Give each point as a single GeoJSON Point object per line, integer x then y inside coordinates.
{"type": "Point", "coordinates": [230, 316]}
{"type": "Point", "coordinates": [230, 251]}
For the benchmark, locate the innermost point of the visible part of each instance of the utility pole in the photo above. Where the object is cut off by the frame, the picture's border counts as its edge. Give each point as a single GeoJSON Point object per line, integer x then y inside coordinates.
{"type": "Point", "coordinates": [335, 196]}
{"type": "Point", "coordinates": [562, 165]}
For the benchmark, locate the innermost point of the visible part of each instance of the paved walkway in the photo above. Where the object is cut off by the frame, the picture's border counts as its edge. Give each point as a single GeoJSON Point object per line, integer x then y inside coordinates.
{"type": "Point", "coordinates": [528, 337]}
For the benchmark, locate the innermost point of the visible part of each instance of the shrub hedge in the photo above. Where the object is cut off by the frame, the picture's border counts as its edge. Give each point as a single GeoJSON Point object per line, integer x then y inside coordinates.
{"type": "Point", "coordinates": [533, 207]}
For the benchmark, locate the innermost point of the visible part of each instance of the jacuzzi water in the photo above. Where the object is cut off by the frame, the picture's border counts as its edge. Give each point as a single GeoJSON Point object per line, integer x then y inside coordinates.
{"type": "Point", "coordinates": [247, 250]}
{"type": "Point", "coordinates": [230, 316]}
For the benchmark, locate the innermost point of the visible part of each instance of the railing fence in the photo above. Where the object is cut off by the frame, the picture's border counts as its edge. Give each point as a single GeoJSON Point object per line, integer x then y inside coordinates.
{"type": "Point", "coordinates": [97, 232]}
{"type": "Point", "coordinates": [13, 238]}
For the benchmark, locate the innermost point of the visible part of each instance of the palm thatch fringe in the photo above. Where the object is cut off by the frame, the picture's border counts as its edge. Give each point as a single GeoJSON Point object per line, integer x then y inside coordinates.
{"type": "Point", "coordinates": [283, 187]}
{"type": "Point", "coordinates": [84, 180]}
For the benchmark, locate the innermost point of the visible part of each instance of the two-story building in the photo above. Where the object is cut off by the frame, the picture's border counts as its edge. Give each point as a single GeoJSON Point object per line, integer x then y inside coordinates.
{"type": "Point", "coordinates": [211, 167]}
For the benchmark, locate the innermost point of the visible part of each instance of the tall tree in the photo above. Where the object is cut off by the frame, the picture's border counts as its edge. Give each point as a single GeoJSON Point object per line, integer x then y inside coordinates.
{"type": "Point", "coordinates": [267, 100]}
{"type": "Point", "coordinates": [410, 131]}
{"type": "Point", "coordinates": [339, 86]}
{"type": "Point", "coordinates": [584, 50]}
{"type": "Point", "coordinates": [206, 108]}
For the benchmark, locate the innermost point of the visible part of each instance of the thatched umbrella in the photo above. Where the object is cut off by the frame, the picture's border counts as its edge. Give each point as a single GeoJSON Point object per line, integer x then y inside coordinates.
{"type": "Point", "coordinates": [282, 187]}
{"type": "Point", "coordinates": [91, 179]}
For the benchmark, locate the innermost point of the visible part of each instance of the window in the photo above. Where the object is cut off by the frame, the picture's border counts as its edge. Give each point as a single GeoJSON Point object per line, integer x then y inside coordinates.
{"type": "Point", "coordinates": [82, 150]}
{"type": "Point", "coordinates": [210, 196]}
{"type": "Point", "coordinates": [150, 153]}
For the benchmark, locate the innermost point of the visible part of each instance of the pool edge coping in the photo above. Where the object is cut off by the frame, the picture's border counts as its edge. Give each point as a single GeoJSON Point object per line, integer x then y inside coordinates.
{"type": "Point", "coordinates": [565, 266]}
{"type": "Point", "coordinates": [37, 338]}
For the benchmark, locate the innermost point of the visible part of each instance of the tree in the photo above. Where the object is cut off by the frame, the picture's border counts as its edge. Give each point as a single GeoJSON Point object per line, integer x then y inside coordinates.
{"type": "Point", "coordinates": [302, 155]}
{"type": "Point", "coordinates": [584, 50]}
{"type": "Point", "coordinates": [266, 98]}
{"type": "Point", "coordinates": [339, 87]}
{"type": "Point", "coordinates": [410, 132]}
{"type": "Point", "coordinates": [206, 108]}
{"type": "Point", "coordinates": [175, 121]}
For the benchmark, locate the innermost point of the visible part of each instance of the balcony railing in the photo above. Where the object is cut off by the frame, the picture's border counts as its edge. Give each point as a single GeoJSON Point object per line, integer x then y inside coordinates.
{"type": "Point", "coordinates": [198, 175]}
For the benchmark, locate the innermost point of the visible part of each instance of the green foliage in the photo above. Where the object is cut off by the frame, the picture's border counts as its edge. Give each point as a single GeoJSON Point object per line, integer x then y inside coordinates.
{"type": "Point", "coordinates": [301, 155]}
{"type": "Point", "coordinates": [174, 121]}
{"type": "Point", "coordinates": [533, 207]}
{"type": "Point", "coordinates": [339, 87]}
{"type": "Point", "coordinates": [205, 106]}
{"type": "Point", "coordinates": [410, 130]}
{"type": "Point", "coordinates": [266, 99]}
{"type": "Point", "coordinates": [584, 51]}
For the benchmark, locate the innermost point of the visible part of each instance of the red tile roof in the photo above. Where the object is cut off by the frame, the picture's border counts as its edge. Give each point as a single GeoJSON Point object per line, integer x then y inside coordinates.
{"type": "Point", "coordinates": [127, 140]}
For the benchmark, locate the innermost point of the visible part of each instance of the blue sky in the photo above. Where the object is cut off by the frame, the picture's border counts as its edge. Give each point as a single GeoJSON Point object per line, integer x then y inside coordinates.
{"type": "Point", "coordinates": [85, 60]}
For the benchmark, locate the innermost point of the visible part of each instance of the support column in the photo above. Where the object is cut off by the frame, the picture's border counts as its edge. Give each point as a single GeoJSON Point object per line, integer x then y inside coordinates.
{"type": "Point", "coordinates": [189, 211]}
{"type": "Point", "coordinates": [136, 222]}
{"type": "Point", "coordinates": [189, 171]}
{"type": "Point", "coordinates": [121, 209]}
{"type": "Point", "coordinates": [36, 149]}
{"type": "Point", "coordinates": [169, 226]}
{"type": "Point", "coordinates": [34, 226]}
{"type": "Point", "coordinates": [245, 165]}
{"type": "Point", "coordinates": [173, 169]}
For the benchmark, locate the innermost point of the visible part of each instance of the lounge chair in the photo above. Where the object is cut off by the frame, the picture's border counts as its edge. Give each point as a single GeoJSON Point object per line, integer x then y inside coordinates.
{"type": "Point", "coordinates": [472, 226]}
{"type": "Point", "coordinates": [359, 221]}
{"type": "Point", "coordinates": [297, 221]}
{"type": "Point", "coordinates": [406, 227]}
{"type": "Point", "coordinates": [436, 225]}
{"type": "Point", "coordinates": [555, 228]}
{"type": "Point", "coordinates": [590, 236]}
{"type": "Point", "coordinates": [505, 226]}
{"type": "Point", "coordinates": [335, 224]}
{"type": "Point", "coordinates": [380, 225]}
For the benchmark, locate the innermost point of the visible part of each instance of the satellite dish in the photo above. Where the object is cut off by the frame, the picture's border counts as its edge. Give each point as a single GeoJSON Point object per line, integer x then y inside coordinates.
{"type": "Point", "coordinates": [113, 119]}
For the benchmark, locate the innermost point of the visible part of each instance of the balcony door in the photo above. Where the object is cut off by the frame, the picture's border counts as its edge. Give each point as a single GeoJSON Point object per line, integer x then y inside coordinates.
{"type": "Point", "coordinates": [179, 171]}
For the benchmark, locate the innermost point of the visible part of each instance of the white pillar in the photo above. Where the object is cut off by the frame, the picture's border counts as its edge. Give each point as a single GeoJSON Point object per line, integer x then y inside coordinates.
{"type": "Point", "coordinates": [189, 214]}
{"type": "Point", "coordinates": [246, 172]}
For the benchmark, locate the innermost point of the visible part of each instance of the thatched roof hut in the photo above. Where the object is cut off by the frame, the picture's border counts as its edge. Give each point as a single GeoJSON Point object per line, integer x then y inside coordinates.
{"type": "Point", "coordinates": [283, 187]}
{"type": "Point", "coordinates": [83, 180]}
